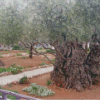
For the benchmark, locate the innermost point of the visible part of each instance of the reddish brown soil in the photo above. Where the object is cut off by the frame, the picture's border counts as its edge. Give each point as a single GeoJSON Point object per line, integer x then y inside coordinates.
{"type": "Point", "coordinates": [12, 51]}
{"type": "Point", "coordinates": [61, 93]}
{"type": "Point", "coordinates": [27, 62]}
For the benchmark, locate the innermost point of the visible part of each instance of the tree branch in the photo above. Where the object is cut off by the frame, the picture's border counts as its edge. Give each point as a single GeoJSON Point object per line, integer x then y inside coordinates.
{"type": "Point", "coordinates": [38, 53]}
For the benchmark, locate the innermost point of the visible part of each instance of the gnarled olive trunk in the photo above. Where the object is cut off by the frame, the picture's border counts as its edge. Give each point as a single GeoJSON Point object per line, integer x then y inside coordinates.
{"type": "Point", "coordinates": [73, 72]}
{"type": "Point", "coordinates": [93, 60]}
{"type": "Point", "coordinates": [31, 52]}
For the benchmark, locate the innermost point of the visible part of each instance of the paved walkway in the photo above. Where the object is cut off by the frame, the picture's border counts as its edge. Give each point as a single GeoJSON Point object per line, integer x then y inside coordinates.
{"type": "Point", "coordinates": [10, 78]}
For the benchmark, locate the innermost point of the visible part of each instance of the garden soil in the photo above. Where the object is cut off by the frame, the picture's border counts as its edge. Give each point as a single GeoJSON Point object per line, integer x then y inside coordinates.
{"type": "Point", "coordinates": [61, 93]}
{"type": "Point", "coordinates": [27, 62]}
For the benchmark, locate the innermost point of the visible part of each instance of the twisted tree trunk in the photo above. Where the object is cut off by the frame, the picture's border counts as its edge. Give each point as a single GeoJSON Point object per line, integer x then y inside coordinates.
{"type": "Point", "coordinates": [72, 72]}
{"type": "Point", "coordinates": [93, 60]}
{"type": "Point", "coordinates": [31, 52]}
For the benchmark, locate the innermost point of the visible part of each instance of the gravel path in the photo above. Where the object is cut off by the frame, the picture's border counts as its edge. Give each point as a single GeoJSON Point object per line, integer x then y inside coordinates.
{"type": "Point", "coordinates": [11, 78]}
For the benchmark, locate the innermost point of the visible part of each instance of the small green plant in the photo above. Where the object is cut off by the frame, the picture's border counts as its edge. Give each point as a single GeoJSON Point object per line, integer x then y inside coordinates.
{"type": "Point", "coordinates": [24, 57]}
{"type": "Point", "coordinates": [2, 70]}
{"type": "Point", "coordinates": [29, 67]}
{"type": "Point", "coordinates": [9, 85]}
{"type": "Point", "coordinates": [23, 80]}
{"type": "Point", "coordinates": [18, 54]}
{"type": "Point", "coordinates": [27, 51]}
{"type": "Point", "coordinates": [53, 60]}
{"type": "Point", "coordinates": [15, 69]}
{"type": "Point", "coordinates": [38, 90]}
{"type": "Point", "coordinates": [50, 51]}
{"type": "Point", "coordinates": [16, 47]}
{"type": "Point", "coordinates": [43, 63]}
{"type": "Point", "coordinates": [0, 87]}
{"type": "Point", "coordinates": [48, 82]}
{"type": "Point", "coordinates": [1, 55]}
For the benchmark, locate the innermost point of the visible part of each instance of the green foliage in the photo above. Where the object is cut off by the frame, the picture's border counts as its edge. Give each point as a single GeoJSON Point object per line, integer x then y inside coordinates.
{"type": "Point", "coordinates": [1, 55]}
{"type": "Point", "coordinates": [11, 23]}
{"type": "Point", "coordinates": [23, 80]}
{"type": "Point", "coordinates": [38, 90]}
{"type": "Point", "coordinates": [16, 47]}
{"type": "Point", "coordinates": [14, 69]}
{"type": "Point", "coordinates": [18, 54]}
{"type": "Point", "coordinates": [2, 70]}
{"type": "Point", "coordinates": [9, 85]}
{"type": "Point", "coordinates": [0, 87]}
{"type": "Point", "coordinates": [53, 60]}
{"type": "Point", "coordinates": [88, 50]}
{"type": "Point", "coordinates": [50, 51]}
{"type": "Point", "coordinates": [43, 63]}
{"type": "Point", "coordinates": [48, 82]}
{"type": "Point", "coordinates": [24, 57]}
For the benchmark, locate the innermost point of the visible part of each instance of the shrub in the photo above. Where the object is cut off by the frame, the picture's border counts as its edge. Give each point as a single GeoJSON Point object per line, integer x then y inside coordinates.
{"type": "Point", "coordinates": [43, 63]}
{"type": "Point", "coordinates": [1, 55]}
{"type": "Point", "coordinates": [53, 60]}
{"type": "Point", "coordinates": [2, 70]}
{"type": "Point", "coordinates": [23, 80]}
{"type": "Point", "coordinates": [9, 85]}
{"type": "Point", "coordinates": [18, 54]}
{"type": "Point", "coordinates": [24, 57]}
{"type": "Point", "coordinates": [50, 51]}
{"type": "Point", "coordinates": [16, 47]}
{"type": "Point", "coordinates": [48, 82]}
{"type": "Point", "coordinates": [27, 51]}
{"type": "Point", "coordinates": [38, 90]}
{"type": "Point", "coordinates": [15, 69]}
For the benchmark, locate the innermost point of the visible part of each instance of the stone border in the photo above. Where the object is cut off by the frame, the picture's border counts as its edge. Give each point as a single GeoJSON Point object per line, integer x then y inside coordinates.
{"type": "Point", "coordinates": [26, 69]}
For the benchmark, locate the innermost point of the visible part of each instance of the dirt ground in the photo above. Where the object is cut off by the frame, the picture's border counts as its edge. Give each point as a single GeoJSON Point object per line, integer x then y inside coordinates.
{"type": "Point", "coordinates": [12, 51]}
{"type": "Point", "coordinates": [61, 93]}
{"type": "Point", "coordinates": [27, 62]}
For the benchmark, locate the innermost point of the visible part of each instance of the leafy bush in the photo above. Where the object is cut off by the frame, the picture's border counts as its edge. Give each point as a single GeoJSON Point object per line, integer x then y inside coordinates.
{"type": "Point", "coordinates": [15, 69]}
{"type": "Point", "coordinates": [50, 51]}
{"type": "Point", "coordinates": [23, 80]}
{"type": "Point", "coordinates": [48, 82]}
{"type": "Point", "coordinates": [9, 85]}
{"type": "Point", "coordinates": [18, 54]}
{"type": "Point", "coordinates": [2, 70]}
{"type": "Point", "coordinates": [53, 60]}
{"type": "Point", "coordinates": [27, 51]}
{"type": "Point", "coordinates": [16, 47]}
{"type": "Point", "coordinates": [1, 55]}
{"type": "Point", "coordinates": [24, 57]}
{"type": "Point", "coordinates": [43, 63]}
{"type": "Point", "coordinates": [38, 90]}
